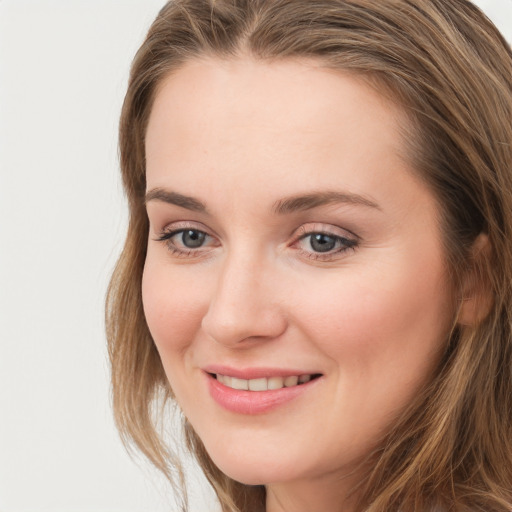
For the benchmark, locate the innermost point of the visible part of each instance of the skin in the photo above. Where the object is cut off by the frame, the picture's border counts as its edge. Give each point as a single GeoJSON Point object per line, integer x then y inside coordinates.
{"type": "Point", "coordinates": [372, 316]}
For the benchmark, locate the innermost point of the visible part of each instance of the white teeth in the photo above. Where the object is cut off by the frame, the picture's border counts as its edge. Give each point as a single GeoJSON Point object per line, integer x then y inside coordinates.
{"type": "Point", "coordinates": [275, 383]}
{"type": "Point", "coordinates": [239, 383]}
{"type": "Point", "coordinates": [258, 384]}
{"type": "Point", "coordinates": [226, 380]}
{"type": "Point", "coordinates": [291, 381]}
{"type": "Point", "coordinates": [263, 384]}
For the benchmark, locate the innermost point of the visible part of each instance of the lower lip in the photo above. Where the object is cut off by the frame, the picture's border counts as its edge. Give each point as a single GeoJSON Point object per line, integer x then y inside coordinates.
{"type": "Point", "coordinates": [254, 402]}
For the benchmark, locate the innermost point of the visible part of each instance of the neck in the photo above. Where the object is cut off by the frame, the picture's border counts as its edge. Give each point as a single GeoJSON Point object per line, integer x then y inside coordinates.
{"type": "Point", "coordinates": [331, 494]}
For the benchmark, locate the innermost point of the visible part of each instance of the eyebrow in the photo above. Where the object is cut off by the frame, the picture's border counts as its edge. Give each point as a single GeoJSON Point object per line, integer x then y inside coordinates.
{"type": "Point", "coordinates": [281, 207]}
{"type": "Point", "coordinates": [170, 197]}
{"type": "Point", "coordinates": [316, 199]}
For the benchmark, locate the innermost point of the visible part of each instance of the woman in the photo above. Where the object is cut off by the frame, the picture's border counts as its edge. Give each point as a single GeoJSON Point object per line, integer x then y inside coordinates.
{"type": "Point", "coordinates": [318, 265]}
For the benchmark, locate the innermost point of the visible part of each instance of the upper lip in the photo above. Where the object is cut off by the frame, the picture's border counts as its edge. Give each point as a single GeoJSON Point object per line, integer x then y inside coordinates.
{"type": "Point", "coordinates": [255, 372]}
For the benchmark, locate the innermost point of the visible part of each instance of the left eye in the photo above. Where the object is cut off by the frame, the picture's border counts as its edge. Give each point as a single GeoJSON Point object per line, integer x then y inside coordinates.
{"type": "Point", "coordinates": [320, 242]}
{"type": "Point", "coordinates": [325, 243]}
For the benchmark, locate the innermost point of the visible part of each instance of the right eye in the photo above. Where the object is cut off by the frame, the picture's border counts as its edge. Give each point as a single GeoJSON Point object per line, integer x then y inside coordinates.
{"type": "Point", "coordinates": [186, 241]}
{"type": "Point", "coordinates": [191, 238]}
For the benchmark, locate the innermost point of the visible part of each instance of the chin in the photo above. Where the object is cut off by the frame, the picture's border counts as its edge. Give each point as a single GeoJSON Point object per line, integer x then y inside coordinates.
{"type": "Point", "coordinates": [238, 466]}
{"type": "Point", "coordinates": [260, 468]}
{"type": "Point", "coordinates": [249, 475]}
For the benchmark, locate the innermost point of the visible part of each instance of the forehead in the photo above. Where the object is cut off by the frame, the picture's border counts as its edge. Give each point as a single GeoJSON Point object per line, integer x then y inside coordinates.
{"type": "Point", "coordinates": [290, 97]}
{"type": "Point", "coordinates": [222, 127]}
{"type": "Point", "coordinates": [243, 108]}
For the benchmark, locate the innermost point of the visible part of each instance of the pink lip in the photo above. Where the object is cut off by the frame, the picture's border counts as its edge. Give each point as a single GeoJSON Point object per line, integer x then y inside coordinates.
{"type": "Point", "coordinates": [253, 402]}
{"type": "Point", "coordinates": [255, 373]}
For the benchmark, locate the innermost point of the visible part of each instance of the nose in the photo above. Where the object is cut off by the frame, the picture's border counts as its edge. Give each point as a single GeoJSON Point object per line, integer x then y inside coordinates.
{"type": "Point", "coordinates": [244, 305]}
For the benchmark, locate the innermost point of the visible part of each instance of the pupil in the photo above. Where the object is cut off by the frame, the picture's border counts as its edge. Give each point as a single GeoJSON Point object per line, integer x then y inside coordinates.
{"type": "Point", "coordinates": [192, 238]}
{"type": "Point", "coordinates": [322, 243]}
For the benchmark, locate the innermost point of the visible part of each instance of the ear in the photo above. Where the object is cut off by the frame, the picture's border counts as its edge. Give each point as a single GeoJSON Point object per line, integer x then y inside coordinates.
{"type": "Point", "coordinates": [477, 297]}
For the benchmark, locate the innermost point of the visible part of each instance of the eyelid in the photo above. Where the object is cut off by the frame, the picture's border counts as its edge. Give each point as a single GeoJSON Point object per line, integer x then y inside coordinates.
{"type": "Point", "coordinates": [345, 239]}
{"type": "Point", "coordinates": [328, 229]}
{"type": "Point", "coordinates": [179, 250]}
{"type": "Point", "coordinates": [184, 224]}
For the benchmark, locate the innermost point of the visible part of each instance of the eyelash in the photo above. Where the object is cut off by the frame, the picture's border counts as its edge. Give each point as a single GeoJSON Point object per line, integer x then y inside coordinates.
{"type": "Point", "coordinates": [167, 236]}
{"type": "Point", "coordinates": [342, 243]}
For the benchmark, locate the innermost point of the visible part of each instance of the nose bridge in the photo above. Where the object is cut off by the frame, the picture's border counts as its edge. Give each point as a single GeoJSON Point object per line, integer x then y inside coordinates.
{"type": "Point", "coordinates": [243, 306]}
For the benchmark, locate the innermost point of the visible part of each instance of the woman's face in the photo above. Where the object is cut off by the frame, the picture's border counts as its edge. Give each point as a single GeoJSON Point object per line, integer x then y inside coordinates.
{"type": "Point", "coordinates": [288, 239]}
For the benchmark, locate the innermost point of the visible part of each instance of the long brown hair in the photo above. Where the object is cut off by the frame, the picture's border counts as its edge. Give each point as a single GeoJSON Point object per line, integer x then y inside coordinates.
{"type": "Point", "coordinates": [446, 65]}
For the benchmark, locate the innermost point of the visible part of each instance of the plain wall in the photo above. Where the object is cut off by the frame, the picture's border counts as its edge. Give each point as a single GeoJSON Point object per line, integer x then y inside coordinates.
{"type": "Point", "coordinates": [63, 73]}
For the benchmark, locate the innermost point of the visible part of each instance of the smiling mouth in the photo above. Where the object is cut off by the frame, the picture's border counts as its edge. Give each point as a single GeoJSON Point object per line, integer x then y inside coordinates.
{"type": "Point", "coordinates": [264, 384]}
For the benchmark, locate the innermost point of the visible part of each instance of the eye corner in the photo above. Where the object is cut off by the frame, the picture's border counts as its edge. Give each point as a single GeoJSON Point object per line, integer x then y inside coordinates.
{"type": "Point", "coordinates": [324, 243]}
{"type": "Point", "coordinates": [186, 240]}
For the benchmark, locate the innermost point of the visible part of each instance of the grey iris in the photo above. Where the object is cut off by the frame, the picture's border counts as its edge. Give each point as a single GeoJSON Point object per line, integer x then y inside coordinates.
{"type": "Point", "coordinates": [322, 243]}
{"type": "Point", "coordinates": [192, 238]}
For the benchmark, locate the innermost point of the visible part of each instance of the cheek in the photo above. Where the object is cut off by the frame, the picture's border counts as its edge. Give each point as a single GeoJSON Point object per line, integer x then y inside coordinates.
{"type": "Point", "coordinates": [376, 310]}
{"type": "Point", "coordinates": [173, 307]}
{"type": "Point", "coordinates": [383, 330]}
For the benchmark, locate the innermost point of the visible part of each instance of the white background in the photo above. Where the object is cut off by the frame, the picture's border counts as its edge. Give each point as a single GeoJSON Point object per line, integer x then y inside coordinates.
{"type": "Point", "coordinates": [63, 72]}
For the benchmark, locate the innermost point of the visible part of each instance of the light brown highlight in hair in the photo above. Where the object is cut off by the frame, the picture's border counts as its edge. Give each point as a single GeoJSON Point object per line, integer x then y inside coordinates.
{"type": "Point", "coordinates": [450, 70]}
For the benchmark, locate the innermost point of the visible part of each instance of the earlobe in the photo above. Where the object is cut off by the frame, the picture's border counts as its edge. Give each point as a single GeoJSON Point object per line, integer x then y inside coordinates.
{"type": "Point", "coordinates": [477, 297]}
